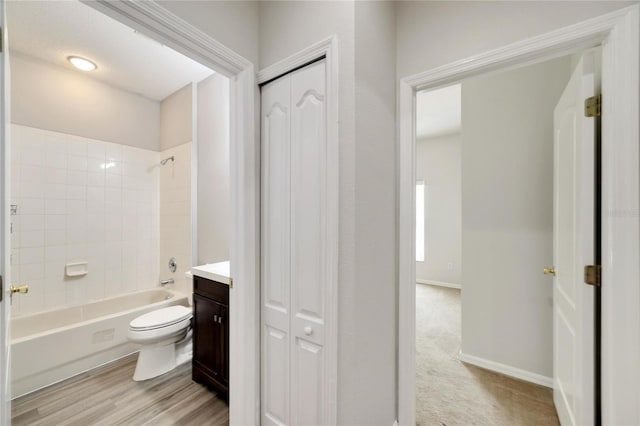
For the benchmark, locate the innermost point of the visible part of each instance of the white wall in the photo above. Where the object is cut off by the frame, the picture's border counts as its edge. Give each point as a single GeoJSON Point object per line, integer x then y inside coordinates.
{"type": "Point", "coordinates": [367, 290]}
{"type": "Point", "coordinates": [433, 33]}
{"type": "Point", "coordinates": [81, 199]}
{"type": "Point", "coordinates": [232, 23]}
{"type": "Point", "coordinates": [438, 164]}
{"type": "Point", "coordinates": [176, 118]}
{"type": "Point", "coordinates": [175, 214]}
{"type": "Point", "coordinates": [507, 214]}
{"type": "Point", "coordinates": [370, 353]}
{"type": "Point", "coordinates": [49, 97]}
{"type": "Point", "coordinates": [214, 203]}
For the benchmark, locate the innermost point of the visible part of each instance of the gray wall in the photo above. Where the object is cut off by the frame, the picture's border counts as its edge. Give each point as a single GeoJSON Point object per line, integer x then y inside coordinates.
{"type": "Point", "coordinates": [367, 290]}
{"type": "Point", "coordinates": [176, 120]}
{"type": "Point", "coordinates": [433, 33]}
{"type": "Point", "coordinates": [507, 214]}
{"type": "Point", "coordinates": [233, 23]}
{"type": "Point", "coordinates": [438, 163]}
{"type": "Point", "coordinates": [372, 352]}
{"type": "Point", "coordinates": [214, 203]}
{"type": "Point", "coordinates": [54, 98]}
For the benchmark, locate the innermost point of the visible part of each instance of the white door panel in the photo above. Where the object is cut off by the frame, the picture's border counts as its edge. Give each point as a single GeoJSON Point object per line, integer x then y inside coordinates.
{"type": "Point", "coordinates": [573, 328]}
{"type": "Point", "coordinates": [294, 235]}
{"type": "Point", "coordinates": [308, 378]}
{"type": "Point", "coordinates": [275, 252]}
{"type": "Point", "coordinates": [5, 173]}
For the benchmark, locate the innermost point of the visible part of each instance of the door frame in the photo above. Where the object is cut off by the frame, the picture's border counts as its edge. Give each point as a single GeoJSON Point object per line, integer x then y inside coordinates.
{"type": "Point", "coordinates": [155, 21]}
{"type": "Point", "coordinates": [619, 34]}
{"type": "Point", "coordinates": [328, 49]}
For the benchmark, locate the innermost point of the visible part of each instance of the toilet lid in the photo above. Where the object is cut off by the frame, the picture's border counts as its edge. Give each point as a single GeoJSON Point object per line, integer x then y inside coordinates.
{"type": "Point", "coordinates": [161, 318]}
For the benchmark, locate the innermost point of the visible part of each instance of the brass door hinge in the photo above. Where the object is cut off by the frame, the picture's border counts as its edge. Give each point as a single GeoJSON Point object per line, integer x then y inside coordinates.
{"type": "Point", "coordinates": [230, 282]}
{"type": "Point", "coordinates": [593, 275]}
{"type": "Point", "coordinates": [593, 106]}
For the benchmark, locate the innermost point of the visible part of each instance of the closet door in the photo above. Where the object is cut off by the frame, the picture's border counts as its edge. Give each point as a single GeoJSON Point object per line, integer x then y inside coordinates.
{"type": "Point", "coordinates": [294, 212]}
{"type": "Point", "coordinates": [308, 228]}
{"type": "Point", "coordinates": [276, 261]}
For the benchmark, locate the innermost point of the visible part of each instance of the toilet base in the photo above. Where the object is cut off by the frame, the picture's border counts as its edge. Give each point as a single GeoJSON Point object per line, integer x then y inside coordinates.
{"type": "Point", "coordinates": [155, 360]}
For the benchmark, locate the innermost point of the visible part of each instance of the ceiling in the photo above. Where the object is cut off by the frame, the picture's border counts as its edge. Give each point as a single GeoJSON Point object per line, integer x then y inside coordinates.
{"type": "Point", "coordinates": [53, 30]}
{"type": "Point", "coordinates": [438, 112]}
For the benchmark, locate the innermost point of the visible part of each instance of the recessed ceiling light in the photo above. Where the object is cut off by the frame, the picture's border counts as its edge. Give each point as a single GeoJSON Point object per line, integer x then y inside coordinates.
{"type": "Point", "coordinates": [82, 63]}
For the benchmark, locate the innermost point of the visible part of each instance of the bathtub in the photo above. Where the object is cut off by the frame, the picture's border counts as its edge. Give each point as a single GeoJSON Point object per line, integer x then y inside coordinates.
{"type": "Point", "coordinates": [51, 346]}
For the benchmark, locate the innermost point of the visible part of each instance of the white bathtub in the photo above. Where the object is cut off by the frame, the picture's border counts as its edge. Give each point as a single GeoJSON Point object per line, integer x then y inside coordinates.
{"type": "Point", "coordinates": [54, 345]}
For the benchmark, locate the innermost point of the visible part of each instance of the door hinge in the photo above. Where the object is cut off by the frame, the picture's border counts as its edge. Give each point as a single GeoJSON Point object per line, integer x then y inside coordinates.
{"type": "Point", "coordinates": [1, 289]}
{"type": "Point", "coordinates": [230, 282]}
{"type": "Point", "coordinates": [593, 106]}
{"type": "Point", "coordinates": [593, 275]}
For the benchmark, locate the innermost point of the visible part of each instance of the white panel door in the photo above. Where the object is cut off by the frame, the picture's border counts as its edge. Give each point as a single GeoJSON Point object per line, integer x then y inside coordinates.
{"type": "Point", "coordinates": [294, 247]}
{"type": "Point", "coordinates": [308, 248]}
{"type": "Point", "coordinates": [573, 327]}
{"type": "Point", "coordinates": [276, 261]}
{"type": "Point", "coordinates": [5, 306]}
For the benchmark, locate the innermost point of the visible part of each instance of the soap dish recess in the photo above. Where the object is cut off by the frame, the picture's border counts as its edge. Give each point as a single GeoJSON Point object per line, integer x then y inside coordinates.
{"type": "Point", "coordinates": [77, 269]}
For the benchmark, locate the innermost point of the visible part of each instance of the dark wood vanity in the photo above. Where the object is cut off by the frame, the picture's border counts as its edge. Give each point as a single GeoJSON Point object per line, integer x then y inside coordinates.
{"type": "Point", "coordinates": [211, 335]}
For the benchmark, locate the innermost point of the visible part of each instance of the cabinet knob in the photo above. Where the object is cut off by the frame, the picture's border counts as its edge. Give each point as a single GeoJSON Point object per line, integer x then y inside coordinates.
{"type": "Point", "coordinates": [308, 331]}
{"type": "Point", "coordinates": [215, 318]}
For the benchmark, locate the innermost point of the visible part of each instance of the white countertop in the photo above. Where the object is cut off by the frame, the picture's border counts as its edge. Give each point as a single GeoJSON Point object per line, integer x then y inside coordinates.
{"type": "Point", "coordinates": [219, 271]}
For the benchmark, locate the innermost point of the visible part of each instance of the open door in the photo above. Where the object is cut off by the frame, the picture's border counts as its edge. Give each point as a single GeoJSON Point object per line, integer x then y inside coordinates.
{"type": "Point", "coordinates": [5, 305]}
{"type": "Point", "coordinates": [574, 247]}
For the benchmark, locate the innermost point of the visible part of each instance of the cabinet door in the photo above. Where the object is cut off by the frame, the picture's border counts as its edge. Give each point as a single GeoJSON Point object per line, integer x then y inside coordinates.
{"type": "Point", "coordinates": [211, 337]}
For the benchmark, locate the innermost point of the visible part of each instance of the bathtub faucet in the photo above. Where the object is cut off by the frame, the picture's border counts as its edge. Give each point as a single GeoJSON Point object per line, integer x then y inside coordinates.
{"type": "Point", "coordinates": [165, 282]}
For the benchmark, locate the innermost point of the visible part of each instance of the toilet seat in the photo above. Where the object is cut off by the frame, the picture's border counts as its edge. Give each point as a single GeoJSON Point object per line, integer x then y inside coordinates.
{"type": "Point", "coordinates": [161, 318]}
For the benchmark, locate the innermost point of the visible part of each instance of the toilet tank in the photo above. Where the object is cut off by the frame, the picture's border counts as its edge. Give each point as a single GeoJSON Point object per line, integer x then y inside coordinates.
{"type": "Point", "coordinates": [188, 287]}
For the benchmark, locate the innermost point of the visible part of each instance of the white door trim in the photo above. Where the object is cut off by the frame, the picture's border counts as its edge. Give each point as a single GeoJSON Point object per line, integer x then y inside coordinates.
{"type": "Point", "coordinates": [327, 48]}
{"type": "Point", "coordinates": [618, 32]}
{"type": "Point", "coordinates": [162, 25]}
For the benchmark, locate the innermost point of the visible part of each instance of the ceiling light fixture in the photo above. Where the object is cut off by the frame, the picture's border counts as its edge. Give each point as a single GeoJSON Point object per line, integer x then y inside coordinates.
{"type": "Point", "coordinates": [82, 63]}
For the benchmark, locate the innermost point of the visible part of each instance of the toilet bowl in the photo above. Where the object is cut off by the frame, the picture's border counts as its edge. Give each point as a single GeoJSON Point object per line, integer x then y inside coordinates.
{"type": "Point", "coordinates": [164, 336]}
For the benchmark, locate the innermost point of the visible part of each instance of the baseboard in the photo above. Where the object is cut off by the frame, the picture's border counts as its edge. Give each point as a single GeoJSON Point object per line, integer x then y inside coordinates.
{"type": "Point", "coordinates": [507, 370]}
{"type": "Point", "coordinates": [438, 283]}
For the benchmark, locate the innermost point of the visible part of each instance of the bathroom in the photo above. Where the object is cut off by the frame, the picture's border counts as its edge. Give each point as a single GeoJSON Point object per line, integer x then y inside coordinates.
{"type": "Point", "coordinates": [119, 181]}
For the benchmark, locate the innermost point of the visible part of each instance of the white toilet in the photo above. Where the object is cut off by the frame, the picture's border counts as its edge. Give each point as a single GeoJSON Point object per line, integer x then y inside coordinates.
{"type": "Point", "coordinates": [165, 336]}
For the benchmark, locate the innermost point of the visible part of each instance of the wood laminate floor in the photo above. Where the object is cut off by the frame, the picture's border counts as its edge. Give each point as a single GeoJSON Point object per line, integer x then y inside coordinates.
{"type": "Point", "coordinates": [109, 396]}
{"type": "Point", "coordinates": [450, 392]}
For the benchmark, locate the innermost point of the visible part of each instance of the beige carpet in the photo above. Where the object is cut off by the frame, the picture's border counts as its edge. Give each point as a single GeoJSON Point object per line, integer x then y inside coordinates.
{"type": "Point", "coordinates": [450, 392]}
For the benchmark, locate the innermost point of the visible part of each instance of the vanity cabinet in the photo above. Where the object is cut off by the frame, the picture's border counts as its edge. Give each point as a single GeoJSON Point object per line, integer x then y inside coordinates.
{"type": "Point", "coordinates": [211, 335]}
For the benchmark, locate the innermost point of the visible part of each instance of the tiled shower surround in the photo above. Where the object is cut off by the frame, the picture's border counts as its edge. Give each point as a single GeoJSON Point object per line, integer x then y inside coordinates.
{"type": "Point", "coordinates": [81, 199]}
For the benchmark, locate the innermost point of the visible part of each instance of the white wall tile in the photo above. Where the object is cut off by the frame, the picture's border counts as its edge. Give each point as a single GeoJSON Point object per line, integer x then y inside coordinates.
{"type": "Point", "coordinates": [29, 255]}
{"type": "Point", "coordinates": [76, 192]}
{"type": "Point", "coordinates": [96, 149]}
{"type": "Point", "coordinates": [95, 178]}
{"type": "Point", "coordinates": [53, 175]}
{"type": "Point", "coordinates": [31, 239]}
{"type": "Point", "coordinates": [77, 177]}
{"type": "Point", "coordinates": [32, 206]}
{"type": "Point", "coordinates": [54, 237]}
{"type": "Point", "coordinates": [55, 253]}
{"type": "Point", "coordinates": [55, 191]}
{"type": "Point", "coordinates": [55, 207]}
{"type": "Point", "coordinates": [72, 207]}
{"type": "Point", "coordinates": [55, 221]}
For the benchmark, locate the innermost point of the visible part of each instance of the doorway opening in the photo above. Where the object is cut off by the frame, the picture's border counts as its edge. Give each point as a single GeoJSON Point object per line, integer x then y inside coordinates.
{"type": "Point", "coordinates": [112, 183]}
{"type": "Point", "coordinates": [615, 168]}
{"type": "Point", "coordinates": [490, 210]}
